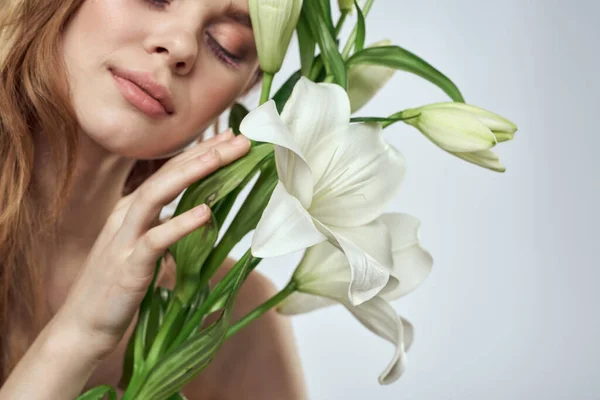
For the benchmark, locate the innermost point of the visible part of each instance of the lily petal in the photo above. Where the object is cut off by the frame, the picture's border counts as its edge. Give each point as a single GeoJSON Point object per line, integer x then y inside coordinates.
{"type": "Point", "coordinates": [412, 263]}
{"type": "Point", "coordinates": [362, 175]}
{"type": "Point", "coordinates": [409, 333]}
{"type": "Point", "coordinates": [314, 112]}
{"type": "Point", "coordinates": [301, 303]}
{"type": "Point", "coordinates": [325, 270]}
{"type": "Point", "coordinates": [379, 317]}
{"type": "Point", "coordinates": [322, 262]}
{"type": "Point", "coordinates": [285, 227]}
{"type": "Point", "coordinates": [367, 275]}
{"type": "Point", "coordinates": [484, 158]}
{"type": "Point", "coordinates": [265, 125]}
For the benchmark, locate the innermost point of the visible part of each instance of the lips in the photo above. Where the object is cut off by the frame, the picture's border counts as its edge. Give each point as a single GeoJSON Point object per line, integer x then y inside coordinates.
{"type": "Point", "coordinates": [147, 84]}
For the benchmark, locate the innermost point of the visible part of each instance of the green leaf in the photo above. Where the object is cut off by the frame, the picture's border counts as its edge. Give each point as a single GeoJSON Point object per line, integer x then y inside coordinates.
{"type": "Point", "coordinates": [236, 115]}
{"type": "Point", "coordinates": [190, 253]}
{"type": "Point", "coordinates": [135, 352]}
{"type": "Point", "coordinates": [284, 93]}
{"type": "Point", "coordinates": [218, 298]}
{"type": "Point", "coordinates": [334, 63]}
{"type": "Point", "coordinates": [359, 42]}
{"type": "Point", "coordinates": [182, 364]}
{"type": "Point", "coordinates": [222, 208]}
{"type": "Point", "coordinates": [156, 316]}
{"type": "Point", "coordinates": [251, 211]}
{"type": "Point", "coordinates": [319, 70]}
{"type": "Point", "coordinates": [197, 302]}
{"type": "Point", "coordinates": [98, 393]}
{"type": "Point", "coordinates": [401, 59]}
{"type": "Point", "coordinates": [222, 182]}
{"type": "Point", "coordinates": [325, 7]}
{"type": "Point", "coordinates": [306, 44]}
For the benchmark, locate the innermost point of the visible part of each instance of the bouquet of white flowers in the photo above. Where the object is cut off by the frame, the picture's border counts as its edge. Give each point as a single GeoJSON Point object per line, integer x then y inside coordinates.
{"type": "Point", "coordinates": [324, 181]}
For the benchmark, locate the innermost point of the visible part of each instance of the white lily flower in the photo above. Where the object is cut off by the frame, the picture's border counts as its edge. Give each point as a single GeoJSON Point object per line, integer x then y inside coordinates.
{"type": "Point", "coordinates": [333, 177]}
{"type": "Point", "coordinates": [273, 23]}
{"type": "Point", "coordinates": [365, 80]}
{"type": "Point", "coordinates": [323, 277]}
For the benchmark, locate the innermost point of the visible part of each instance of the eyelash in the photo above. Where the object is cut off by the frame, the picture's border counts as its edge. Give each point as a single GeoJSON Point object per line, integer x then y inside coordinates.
{"type": "Point", "coordinates": [219, 51]}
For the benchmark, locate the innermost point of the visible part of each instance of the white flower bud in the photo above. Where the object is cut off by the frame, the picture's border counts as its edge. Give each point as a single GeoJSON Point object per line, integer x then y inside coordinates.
{"type": "Point", "coordinates": [502, 128]}
{"type": "Point", "coordinates": [273, 22]}
{"type": "Point", "coordinates": [365, 80]}
{"type": "Point", "coordinates": [463, 130]}
{"type": "Point", "coordinates": [484, 158]}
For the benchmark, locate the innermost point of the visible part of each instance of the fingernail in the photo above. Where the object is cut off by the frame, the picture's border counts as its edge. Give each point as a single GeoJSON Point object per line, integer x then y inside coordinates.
{"type": "Point", "coordinates": [200, 211]}
{"type": "Point", "coordinates": [240, 140]}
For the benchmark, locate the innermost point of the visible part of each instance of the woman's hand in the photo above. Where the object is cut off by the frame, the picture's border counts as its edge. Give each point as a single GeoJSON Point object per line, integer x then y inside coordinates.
{"type": "Point", "coordinates": [111, 285]}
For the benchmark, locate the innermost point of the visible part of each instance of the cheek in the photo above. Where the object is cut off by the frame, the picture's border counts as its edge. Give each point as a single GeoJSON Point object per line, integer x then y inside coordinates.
{"type": "Point", "coordinates": [87, 40]}
{"type": "Point", "coordinates": [214, 95]}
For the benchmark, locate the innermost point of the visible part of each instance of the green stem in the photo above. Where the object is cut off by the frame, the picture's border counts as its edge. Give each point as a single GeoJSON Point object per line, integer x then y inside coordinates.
{"type": "Point", "coordinates": [159, 346]}
{"type": "Point", "coordinates": [216, 294]}
{"type": "Point", "coordinates": [141, 329]}
{"type": "Point", "coordinates": [266, 87]}
{"type": "Point", "coordinates": [215, 259]}
{"type": "Point", "coordinates": [263, 308]}
{"type": "Point", "coordinates": [241, 224]}
{"type": "Point", "coordinates": [350, 43]}
{"type": "Point", "coordinates": [397, 117]}
{"type": "Point", "coordinates": [315, 70]}
{"type": "Point", "coordinates": [340, 23]}
{"type": "Point", "coordinates": [329, 79]}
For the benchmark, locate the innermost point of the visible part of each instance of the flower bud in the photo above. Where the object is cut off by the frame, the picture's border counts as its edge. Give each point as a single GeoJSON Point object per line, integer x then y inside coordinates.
{"type": "Point", "coordinates": [484, 158]}
{"type": "Point", "coordinates": [502, 128]}
{"type": "Point", "coordinates": [451, 128]}
{"type": "Point", "coordinates": [463, 130]}
{"type": "Point", "coordinates": [273, 22]}
{"type": "Point", "coordinates": [346, 5]}
{"type": "Point", "coordinates": [365, 80]}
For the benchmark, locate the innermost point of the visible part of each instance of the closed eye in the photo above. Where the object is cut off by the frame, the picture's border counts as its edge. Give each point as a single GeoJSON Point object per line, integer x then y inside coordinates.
{"type": "Point", "coordinates": [221, 53]}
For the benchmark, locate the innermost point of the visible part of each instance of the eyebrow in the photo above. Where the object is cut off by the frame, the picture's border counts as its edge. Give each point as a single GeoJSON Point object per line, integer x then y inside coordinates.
{"type": "Point", "coordinates": [239, 15]}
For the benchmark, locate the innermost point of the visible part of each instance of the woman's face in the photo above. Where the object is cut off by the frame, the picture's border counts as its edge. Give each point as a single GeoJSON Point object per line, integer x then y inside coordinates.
{"type": "Point", "coordinates": [201, 51]}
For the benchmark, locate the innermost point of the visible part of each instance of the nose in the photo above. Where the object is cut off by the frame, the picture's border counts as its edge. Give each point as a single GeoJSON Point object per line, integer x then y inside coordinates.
{"type": "Point", "coordinates": [179, 47]}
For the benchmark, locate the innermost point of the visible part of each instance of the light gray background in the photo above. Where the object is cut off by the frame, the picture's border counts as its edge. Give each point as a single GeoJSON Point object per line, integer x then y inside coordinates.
{"type": "Point", "coordinates": [510, 309]}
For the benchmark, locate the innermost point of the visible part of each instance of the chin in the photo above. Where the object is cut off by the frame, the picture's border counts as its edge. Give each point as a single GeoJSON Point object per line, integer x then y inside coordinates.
{"type": "Point", "coordinates": [130, 140]}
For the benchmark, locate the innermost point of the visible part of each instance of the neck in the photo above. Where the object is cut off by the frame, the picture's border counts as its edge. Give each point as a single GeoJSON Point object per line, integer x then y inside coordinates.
{"type": "Point", "coordinates": [99, 178]}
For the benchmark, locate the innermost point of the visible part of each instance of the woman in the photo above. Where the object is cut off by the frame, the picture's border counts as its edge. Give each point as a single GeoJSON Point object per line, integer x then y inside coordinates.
{"type": "Point", "coordinates": [79, 230]}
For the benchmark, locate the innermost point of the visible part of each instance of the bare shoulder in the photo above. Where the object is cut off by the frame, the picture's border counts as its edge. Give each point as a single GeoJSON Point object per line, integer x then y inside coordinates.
{"type": "Point", "coordinates": [259, 362]}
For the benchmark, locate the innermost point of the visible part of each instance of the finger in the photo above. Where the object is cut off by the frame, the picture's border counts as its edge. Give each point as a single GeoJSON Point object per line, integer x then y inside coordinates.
{"type": "Point", "coordinates": [157, 240]}
{"type": "Point", "coordinates": [198, 149]}
{"type": "Point", "coordinates": [172, 163]}
{"type": "Point", "coordinates": [164, 186]}
{"type": "Point", "coordinates": [203, 146]}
